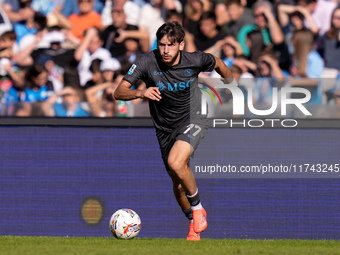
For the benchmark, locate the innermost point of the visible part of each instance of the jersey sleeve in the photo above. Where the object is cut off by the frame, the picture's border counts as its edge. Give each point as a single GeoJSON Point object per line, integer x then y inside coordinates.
{"type": "Point", "coordinates": [136, 71]}
{"type": "Point", "coordinates": [207, 62]}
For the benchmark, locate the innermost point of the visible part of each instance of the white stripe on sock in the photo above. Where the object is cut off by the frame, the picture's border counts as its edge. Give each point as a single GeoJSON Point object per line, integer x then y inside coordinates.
{"type": "Point", "coordinates": [193, 194]}
{"type": "Point", "coordinates": [197, 207]}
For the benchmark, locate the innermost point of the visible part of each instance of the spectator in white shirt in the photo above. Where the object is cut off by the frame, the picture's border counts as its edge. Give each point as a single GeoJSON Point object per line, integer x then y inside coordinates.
{"type": "Point", "coordinates": [90, 49]}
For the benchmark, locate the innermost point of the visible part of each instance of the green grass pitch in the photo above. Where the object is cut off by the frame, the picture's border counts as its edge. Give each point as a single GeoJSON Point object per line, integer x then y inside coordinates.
{"type": "Point", "coordinates": [102, 245]}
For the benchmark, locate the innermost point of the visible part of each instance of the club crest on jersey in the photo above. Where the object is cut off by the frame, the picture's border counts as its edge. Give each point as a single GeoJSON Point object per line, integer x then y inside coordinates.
{"type": "Point", "coordinates": [160, 85]}
{"type": "Point", "coordinates": [132, 69]}
{"type": "Point", "coordinates": [188, 72]}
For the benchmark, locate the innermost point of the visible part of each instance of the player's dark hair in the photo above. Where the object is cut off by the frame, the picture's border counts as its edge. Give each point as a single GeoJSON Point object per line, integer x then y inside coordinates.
{"type": "Point", "coordinates": [174, 31]}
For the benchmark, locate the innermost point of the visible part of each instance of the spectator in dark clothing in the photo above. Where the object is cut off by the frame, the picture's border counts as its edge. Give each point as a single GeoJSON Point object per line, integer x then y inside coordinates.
{"type": "Point", "coordinates": [209, 34]}
{"type": "Point", "coordinates": [114, 35]}
{"type": "Point", "coordinates": [239, 16]}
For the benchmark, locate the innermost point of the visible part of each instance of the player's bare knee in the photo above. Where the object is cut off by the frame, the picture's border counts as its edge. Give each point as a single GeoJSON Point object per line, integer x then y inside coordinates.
{"type": "Point", "coordinates": [180, 170]}
{"type": "Point", "coordinates": [176, 165]}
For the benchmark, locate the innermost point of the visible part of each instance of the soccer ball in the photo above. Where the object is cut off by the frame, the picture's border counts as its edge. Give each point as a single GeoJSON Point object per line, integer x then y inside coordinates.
{"type": "Point", "coordinates": [125, 224]}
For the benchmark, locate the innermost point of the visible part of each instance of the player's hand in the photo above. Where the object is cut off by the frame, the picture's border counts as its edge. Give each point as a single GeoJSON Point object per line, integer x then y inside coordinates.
{"type": "Point", "coordinates": [152, 93]}
{"type": "Point", "coordinates": [227, 81]}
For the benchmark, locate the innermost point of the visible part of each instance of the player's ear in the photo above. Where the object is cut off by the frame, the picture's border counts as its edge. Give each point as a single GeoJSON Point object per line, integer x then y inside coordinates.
{"type": "Point", "coordinates": [181, 45]}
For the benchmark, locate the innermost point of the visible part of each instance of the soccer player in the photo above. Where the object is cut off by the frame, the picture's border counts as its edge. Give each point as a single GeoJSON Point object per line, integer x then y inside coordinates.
{"type": "Point", "coordinates": [170, 75]}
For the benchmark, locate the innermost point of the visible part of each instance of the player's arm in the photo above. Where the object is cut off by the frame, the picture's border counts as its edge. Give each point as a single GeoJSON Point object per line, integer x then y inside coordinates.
{"type": "Point", "coordinates": [124, 92]}
{"type": "Point", "coordinates": [222, 69]}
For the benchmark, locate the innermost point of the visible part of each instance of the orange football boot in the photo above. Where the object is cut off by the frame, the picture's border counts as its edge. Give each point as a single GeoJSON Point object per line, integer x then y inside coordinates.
{"type": "Point", "coordinates": [200, 220]}
{"type": "Point", "coordinates": [193, 236]}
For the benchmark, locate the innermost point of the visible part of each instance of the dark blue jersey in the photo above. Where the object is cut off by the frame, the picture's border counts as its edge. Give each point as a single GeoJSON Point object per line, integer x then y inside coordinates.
{"type": "Point", "coordinates": [181, 96]}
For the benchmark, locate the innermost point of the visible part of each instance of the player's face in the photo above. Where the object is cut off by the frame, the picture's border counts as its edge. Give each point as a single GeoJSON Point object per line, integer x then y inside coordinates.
{"type": "Point", "coordinates": [169, 51]}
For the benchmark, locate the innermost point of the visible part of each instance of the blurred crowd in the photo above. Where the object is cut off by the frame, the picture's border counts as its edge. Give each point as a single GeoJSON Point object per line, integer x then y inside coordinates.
{"type": "Point", "coordinates": [65, 58]}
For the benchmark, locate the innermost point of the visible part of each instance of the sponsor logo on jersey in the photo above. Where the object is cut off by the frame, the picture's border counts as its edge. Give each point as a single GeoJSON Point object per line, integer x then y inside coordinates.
{"type": "Point", "coordinates": [132, 69]}
{"type": "Point", "coordinates": [174, 87]}
{"type": "Point", "coordinates": [157, 73]}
